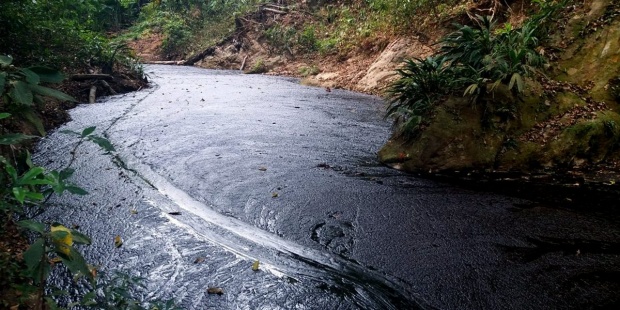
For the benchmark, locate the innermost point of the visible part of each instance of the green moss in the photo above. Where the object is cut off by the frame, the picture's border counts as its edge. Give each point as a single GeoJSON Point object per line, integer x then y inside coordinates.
{"type": "Point", "coordinates": [525, 156]}
{"type": "Point", "coordinates": [457, 139]}
{"type": "Point", "coordinates": [258, 67]}
{"type": "Point", "coordinates": [454, 141]}
{"type": "Point", "coordinates": [563, 102]}
{"type": "Point", "coordinates": [589, 141]}
{"type": "Point", "coordinates": [596, 59]}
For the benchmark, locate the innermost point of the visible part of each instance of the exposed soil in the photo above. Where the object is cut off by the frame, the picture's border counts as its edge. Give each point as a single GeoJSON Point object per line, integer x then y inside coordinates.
{"type": "Point", "coordinates": [12, 246]}
{"type": "Point", "coordinates": [148, 48]}
{"type": "Point", "coordinates": [368, 67]}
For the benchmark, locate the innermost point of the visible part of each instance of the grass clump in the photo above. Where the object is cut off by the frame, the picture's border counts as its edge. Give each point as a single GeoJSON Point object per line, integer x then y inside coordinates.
{"type": "Point", "coordinates": [306, 71]}
{"type": "Point", "coordinates": [258, 67]}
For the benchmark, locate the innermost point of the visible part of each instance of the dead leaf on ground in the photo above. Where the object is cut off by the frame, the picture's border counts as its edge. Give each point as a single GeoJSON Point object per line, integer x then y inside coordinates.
{"type": "Point", "coordinates": [118, 241]}
{"type": "Point", "coordinates": [274, 195]}
{"type": "Point", "coordinates": [255, 265]}
{"type": "Point", "coordinates": [215, 290]}
{"type": "Point", "coordinates": [262, 168]}
{"type": "Point", "coordinates": [174, 213]}
{"type": "Point", "coordinates": [199, 260]}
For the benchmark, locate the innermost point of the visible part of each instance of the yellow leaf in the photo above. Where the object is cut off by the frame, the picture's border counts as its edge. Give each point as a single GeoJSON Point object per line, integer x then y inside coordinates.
{"type": "Point", "coordinates": [274, 195]}
{"type": "Point", "coordinates": [255, 265]}
{"type": "Point", "coordinates": [67, 239]}
{"type": "Point", "coordinates": [62, 241]}
{"type": "Point", "coordinates": [118, 241]}
{"type": "Point", "coordinates": [93, 270]}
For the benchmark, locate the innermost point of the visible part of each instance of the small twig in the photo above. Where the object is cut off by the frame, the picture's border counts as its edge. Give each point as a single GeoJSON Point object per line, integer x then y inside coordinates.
{"type": "Point", "coordinates": [108, 87]}
{"type": "Point", "coordinates": [243, 63]}
{"type": "Point", "coordinates": [274, 11]}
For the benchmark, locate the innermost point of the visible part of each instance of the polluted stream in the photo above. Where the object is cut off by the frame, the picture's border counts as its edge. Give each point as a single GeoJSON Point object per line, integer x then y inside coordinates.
{"type": "Point", "coordinates": [214, 170]}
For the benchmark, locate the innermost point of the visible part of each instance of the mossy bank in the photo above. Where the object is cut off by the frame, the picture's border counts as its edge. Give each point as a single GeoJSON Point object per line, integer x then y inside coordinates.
{"type": "Point", "coordinates": [567, 118]}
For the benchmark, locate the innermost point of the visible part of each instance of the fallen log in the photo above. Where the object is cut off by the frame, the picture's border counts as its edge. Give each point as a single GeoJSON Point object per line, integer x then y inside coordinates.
{"type": "Point", "coordinates": [164, 62]}
{"type": "Point", "coordinates": [275, 6]}
{"type": "Point", "coordinates": [274, 11]}
{"type": "Point", "coordinates": [194, 59]}
{"type": "Point", "coordinates": [92, 94]}
{"type": "Point", "coordinates": [84, 77]}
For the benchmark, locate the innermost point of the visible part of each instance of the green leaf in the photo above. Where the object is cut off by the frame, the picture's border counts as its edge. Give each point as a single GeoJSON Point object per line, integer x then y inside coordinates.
{"type": "Point", "coordinates": [36, 261]}
{"type": "Point", "coordinates": [10, 170]}
{"type": "Point", "coordinates": [76, 190]}
{"type": "Point", "coordinates": [48, 75]}
{"type": "Point", "coordinates": [76, 263]}
{"type": "Point", "coordinates": [32, 225]}
{"type": "Point", "coordinates": [4, 115]}
{"type": "Point", "coordinates": [103, 143]}
{"type": "Point", "coordinates": [49, 92]}
{"type": "Point", "coordinates": [20, 194]}
{"type": "Point", "coordinates": [5, 60]}
{"type": "Point", "coordinates": [2, 82]}
{"type": "Point", "coordinates": [89, 299]}
{"type": "Point", "coordinates": [37, 99]}
{"type": "Point", "coordinates": [30, 176]}
{"type": "Point", "coordinates": [58, 186]}
{"type": "Point", "coordinates": [21, 93]}
{"type": "Point", "coordinates": [31, 77]}
{"type": "Point", "coordinates": [29, 160]}
{"type": "Point", "coordinates": [14, 138]}
{"type": "Point", "coordinates": [34, 196]}
{"type": "Point", "coordinates": [80, 238]}
{"type": "Point", "coordinates": [66, 173]}
{"type": "Point", "coordinates": [34, 119]}
{"type": "Point", "coordinates": [88, 131]}
{"type": "Point", "coordinates": [518, 80]}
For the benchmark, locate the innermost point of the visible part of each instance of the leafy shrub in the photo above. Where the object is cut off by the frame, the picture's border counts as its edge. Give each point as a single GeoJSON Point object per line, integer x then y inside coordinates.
{"type": "Point", "coordinates": [414, 95]}
{"type": "Point", "coordinates": [59, 33]}
{"type": "Point", "coordinates": [280, 39]}
{"type": "Point", "coordinates": [328, 46]}
{"type": "Point", "coordinates": [405, 13]}
{"type": "Point", "coordinates": [258, 67]}
{"type": "Point", "coordinates": [473, 60]}
{"type": "Point", "coordinates": [307, 71]}
{"type": "Point", "coordinates": [307, 39]}
{"type": "Point", "coordinates": [484, 55]}
{"type": "Point", "coordinates": [177, 35]}
{"type": "Point", "coordinates": [20, 89]}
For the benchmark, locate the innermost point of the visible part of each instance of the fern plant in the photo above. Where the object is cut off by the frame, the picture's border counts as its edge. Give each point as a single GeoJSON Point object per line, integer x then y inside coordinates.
{"type": "Point", "coordinates": [413, 96]}
{"type": "Point", "coordinates": [474, 60]}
